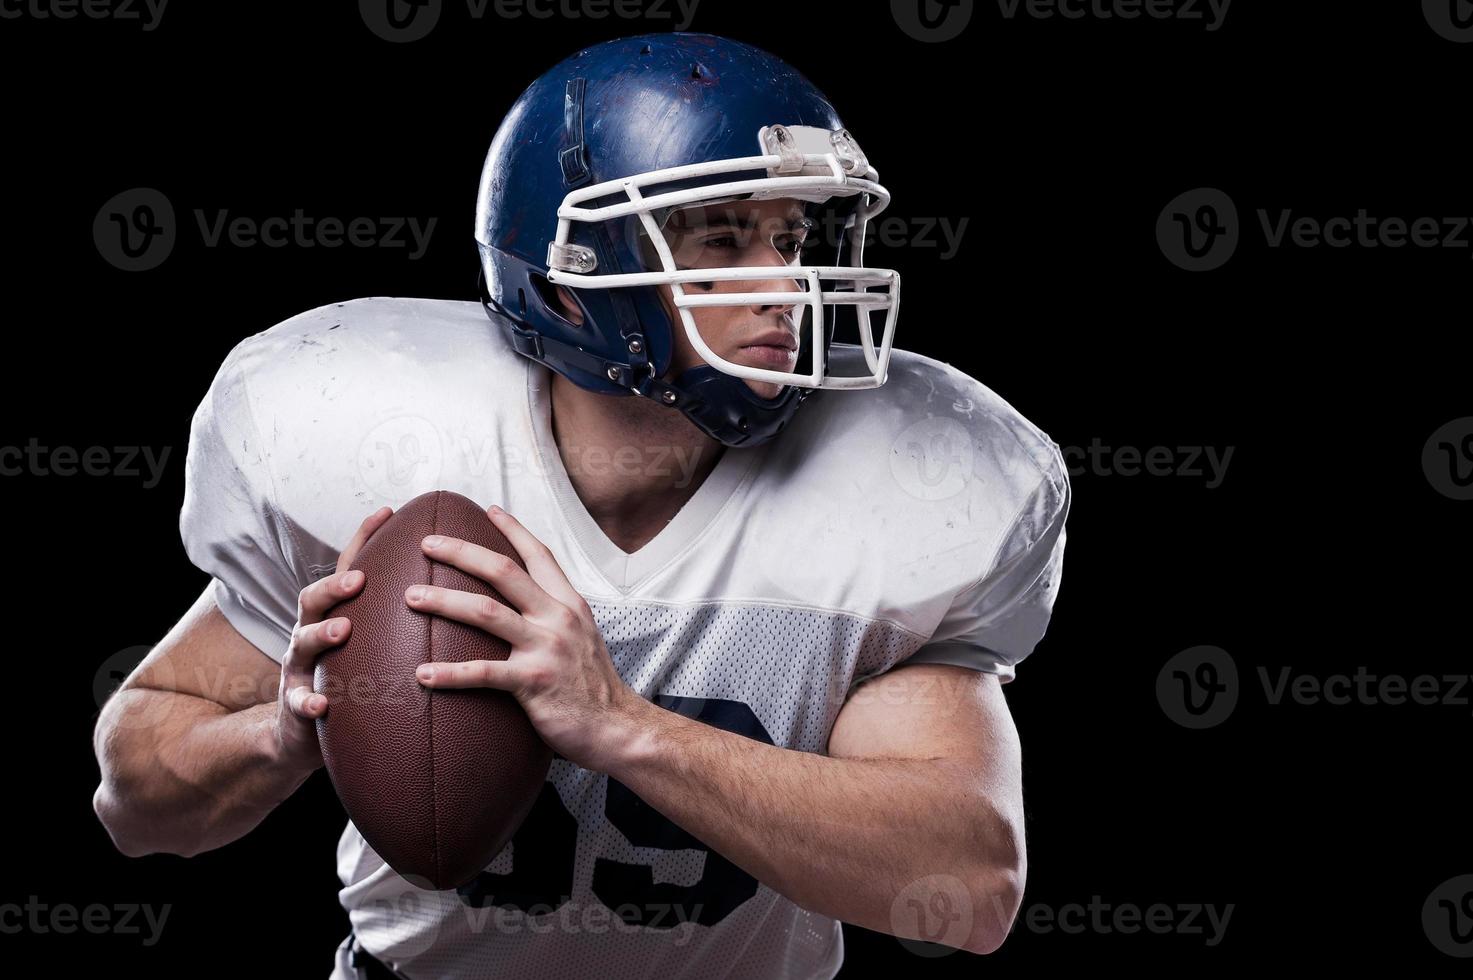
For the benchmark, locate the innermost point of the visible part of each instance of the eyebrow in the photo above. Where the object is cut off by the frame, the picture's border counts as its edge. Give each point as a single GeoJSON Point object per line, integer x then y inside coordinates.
{"type": "Point", "coordinates": [746, 223]}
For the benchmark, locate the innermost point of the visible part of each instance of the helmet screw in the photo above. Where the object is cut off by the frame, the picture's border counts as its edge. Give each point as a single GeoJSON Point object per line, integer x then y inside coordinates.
{"type": "Point", "coordinates": [613, 374]}
{"type": "Point", "coordinates": [635, 347]}
{"type": "Point", "coordinates": [668, 397]}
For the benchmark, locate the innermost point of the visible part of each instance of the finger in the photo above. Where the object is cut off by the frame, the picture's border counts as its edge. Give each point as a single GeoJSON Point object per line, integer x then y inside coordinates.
{"type": "Point", "coordinates": [315, 600]}
{"type": "Point", "coordinates": [305, 703]}
{"type": "Point", "coordinates": [503, 675]}
{"type": "Point", "coordinates": [308, 642]}
{"type": "Point", "coordinates": [502, 571]}
{"type": "Point", "coordinates": [541, 563]}
{"type": "Point", "coordinates": [365, 530]}
{"type": "Point", "coordinates": [480, 611]}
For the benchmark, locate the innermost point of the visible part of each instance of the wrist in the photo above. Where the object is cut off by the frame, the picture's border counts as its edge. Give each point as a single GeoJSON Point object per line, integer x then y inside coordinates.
{"type": "Point", "coordinates": [276, 755]}
{"type": "Point", "coordinates": [634, 739]}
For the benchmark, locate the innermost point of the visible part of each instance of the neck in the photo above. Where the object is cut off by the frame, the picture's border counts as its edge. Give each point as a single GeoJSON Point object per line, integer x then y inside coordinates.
{"type": "Point", "coordinates": [633, 463]}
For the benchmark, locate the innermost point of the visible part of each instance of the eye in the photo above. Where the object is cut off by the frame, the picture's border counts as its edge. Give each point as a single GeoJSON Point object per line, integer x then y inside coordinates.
{"type": "Point", "coordinates": [792, 245]}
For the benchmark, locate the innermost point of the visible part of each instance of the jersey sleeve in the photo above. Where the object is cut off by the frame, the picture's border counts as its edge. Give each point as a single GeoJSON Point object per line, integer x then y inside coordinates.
{"type": "Point", "coordinates": [230, 524]}
{"type": "Point", "coordinates": [996, 621]}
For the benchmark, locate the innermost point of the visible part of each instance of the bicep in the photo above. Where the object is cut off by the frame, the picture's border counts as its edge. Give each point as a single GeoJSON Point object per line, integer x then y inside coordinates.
{"type": "Point", "coordinates": [205, 656]}
{"type": "Point", "coordinates": [934, 712]}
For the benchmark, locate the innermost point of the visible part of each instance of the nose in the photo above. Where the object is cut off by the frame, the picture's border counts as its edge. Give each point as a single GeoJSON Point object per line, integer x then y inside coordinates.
{"type": "Point", "coordinates": [774, 257]}
{"type": "Point", "coordinates": [793, 286]}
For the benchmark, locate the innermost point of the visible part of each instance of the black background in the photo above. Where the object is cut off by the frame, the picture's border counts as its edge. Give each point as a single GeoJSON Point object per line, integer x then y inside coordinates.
{"type": "Point", "coordinates": [1059, 141]}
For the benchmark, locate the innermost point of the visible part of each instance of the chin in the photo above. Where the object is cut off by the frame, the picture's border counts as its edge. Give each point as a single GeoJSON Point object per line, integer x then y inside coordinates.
{"type": "Point", "coordinates": [765, 357]}
{"type": "Point", "coordinates": [765, 389]}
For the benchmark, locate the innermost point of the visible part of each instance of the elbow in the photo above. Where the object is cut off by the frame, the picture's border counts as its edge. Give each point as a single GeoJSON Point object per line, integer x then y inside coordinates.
{"type": "Point", "coordinates": [974, 912]}
{"type": "Point", "coordinates": [106, 808]}
{"type": "Point", "coordinates": [997, 895]}
{"type": "Point", "coordinates": [114, 819]}
{"type": "Point", "coordinates": [997, 883]}
{"type": "Point", "coordinates": [108, 799]}
{"type": "Point", "coordinates": [124, 800]}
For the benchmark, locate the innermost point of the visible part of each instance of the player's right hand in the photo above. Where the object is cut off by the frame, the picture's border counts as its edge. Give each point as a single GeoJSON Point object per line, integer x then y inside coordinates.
{"type": "Point", "coordinates": [298, 706]}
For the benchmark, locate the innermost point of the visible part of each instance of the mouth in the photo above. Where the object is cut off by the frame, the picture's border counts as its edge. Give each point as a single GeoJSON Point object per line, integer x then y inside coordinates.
{"type": "Point", "coordinates": [777, 340]}
{"type": "Point", "coordinates": [770, 355]}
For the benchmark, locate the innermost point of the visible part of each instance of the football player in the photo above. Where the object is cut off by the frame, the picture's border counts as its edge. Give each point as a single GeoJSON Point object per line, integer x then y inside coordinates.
{"type": "Point", "coordinates": [775, 577]}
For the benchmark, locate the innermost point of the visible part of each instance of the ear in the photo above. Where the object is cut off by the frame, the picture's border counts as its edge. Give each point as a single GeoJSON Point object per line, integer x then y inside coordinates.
{"type": "Point", "coordinates": [570, 308]}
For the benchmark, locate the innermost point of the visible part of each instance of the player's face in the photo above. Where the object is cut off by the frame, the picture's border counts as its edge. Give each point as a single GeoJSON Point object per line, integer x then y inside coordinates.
{"type": "Point", "coordinates": [751, 233]}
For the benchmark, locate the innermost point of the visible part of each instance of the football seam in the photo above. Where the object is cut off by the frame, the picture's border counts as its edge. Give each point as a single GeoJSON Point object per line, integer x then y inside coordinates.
{"type": "Point", "coordinates": [430, 712]}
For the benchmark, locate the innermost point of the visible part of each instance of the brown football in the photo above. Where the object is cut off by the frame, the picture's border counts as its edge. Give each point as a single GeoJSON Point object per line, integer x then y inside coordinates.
{"type": "Point", "coordinates": [435, 781]}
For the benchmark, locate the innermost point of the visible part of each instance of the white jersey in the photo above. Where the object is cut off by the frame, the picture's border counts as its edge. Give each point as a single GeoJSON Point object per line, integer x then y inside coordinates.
{"type": "Point", "coordinates": [919, 521]}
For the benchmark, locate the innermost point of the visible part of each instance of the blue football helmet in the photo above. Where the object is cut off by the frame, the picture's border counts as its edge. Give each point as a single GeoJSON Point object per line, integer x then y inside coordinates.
{"type": "Point", "coordinates": [589, 164]}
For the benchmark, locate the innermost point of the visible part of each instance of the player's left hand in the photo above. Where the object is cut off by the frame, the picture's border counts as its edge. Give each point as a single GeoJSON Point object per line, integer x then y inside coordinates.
{"type": "Point", "coordinates": [559, 670]}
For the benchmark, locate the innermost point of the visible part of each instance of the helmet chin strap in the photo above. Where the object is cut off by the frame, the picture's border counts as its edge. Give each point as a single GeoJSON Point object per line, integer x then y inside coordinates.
{"type": "Point", "coordinates": [719, 404]}
{"type": "Point", "coordinates": [724, 407]}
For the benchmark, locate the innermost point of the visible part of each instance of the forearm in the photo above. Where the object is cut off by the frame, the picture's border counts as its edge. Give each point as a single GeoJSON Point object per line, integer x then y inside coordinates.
{"type": "Point", "coordinates": [183, 775]}
{"type": "Point", "coordinates": [842, 837]}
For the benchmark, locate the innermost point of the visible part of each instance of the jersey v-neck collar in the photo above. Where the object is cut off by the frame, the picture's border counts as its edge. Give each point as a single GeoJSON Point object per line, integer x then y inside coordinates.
{"type": "Point", "coordinates": [624, 571]}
